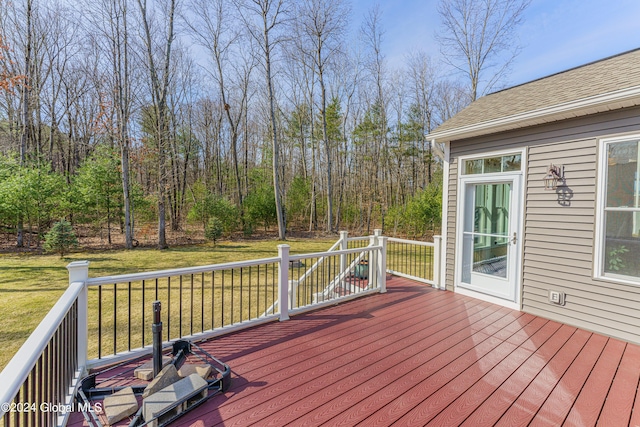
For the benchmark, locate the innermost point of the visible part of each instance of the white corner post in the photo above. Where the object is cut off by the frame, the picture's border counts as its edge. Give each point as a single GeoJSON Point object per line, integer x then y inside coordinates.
{"type": "Point", "coordinates": [79, 272]}
{"type": "Point", "coordinates": [382, 264]}
{"type": "Point", "coordinates": [437, 254]}
{"type": "Point", "coordinates": [283, 281]}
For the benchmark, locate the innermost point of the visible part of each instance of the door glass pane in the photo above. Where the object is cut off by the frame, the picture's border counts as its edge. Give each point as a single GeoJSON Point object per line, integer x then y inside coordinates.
{"type": "Point", "coordinates": [492, 208]}
{"type": "Point", "coordinates": [492, 258]}
{"type": "Point", "coordinates": [486, 237]}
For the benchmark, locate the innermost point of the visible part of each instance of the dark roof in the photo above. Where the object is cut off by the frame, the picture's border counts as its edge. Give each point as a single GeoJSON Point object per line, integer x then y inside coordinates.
{"type": "Point", "coordinates": [606, 81]}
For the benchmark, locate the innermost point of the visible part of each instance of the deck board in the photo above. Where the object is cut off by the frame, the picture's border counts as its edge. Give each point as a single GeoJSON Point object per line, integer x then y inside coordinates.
{"type": "Point", "coordinates": [619, 403]}
{"type": "Point", "coordinates": [419, 356]}
{"type": "Point", "coordinates": [500, 407]}
{"type": "Point", "coordinates": [355, 355]}
{"type": "Point", "coordinates": [556, 407]}
{"type": "Point", "coordinates": [588, 405]}
{"type": "Point", "coordinates": [396, 396]}
{"type": "Point", "coordinates": [378, 389]}
{"type": "Point", "coordinates": [485, 404]}
{"type": "Point", "coordinates": [409, 390]}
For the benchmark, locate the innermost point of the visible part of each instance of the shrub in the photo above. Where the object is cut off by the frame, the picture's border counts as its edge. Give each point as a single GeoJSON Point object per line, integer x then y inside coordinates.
{"type": "Point", "coordinates": [424, 211]}
{"type": "Point", "coordinates": [211, 205]}
{"type": "Point", "coordinates": [213, 230]}
{"type": "Point", "coordinates": [60, 238]}
{"type": "Point", "coordinates": [298, 199]}
{"type": "Point", "coordinates": [260, 206]}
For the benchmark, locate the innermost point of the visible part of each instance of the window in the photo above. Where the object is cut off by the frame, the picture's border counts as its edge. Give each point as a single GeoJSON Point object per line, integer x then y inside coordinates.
{"type": "Point", "coordinates": [620, 210]}
{"type": "Point", "coordinates": [498, 164]}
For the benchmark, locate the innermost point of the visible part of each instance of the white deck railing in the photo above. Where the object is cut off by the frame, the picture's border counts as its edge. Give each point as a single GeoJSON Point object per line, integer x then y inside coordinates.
{"type": "Point", "coordinates": [415, 260]}
{"type": "Point", "coordinates": [43, 373]}
{"type": "Point", "coordinates": [102, 320]}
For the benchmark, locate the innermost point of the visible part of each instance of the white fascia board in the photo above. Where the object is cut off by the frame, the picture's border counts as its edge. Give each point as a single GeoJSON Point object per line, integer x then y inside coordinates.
{"type": "Point", "coordinates": [544, 115]}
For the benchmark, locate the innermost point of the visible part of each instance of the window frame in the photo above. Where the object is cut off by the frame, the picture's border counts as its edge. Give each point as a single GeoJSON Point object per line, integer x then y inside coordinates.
{"type": "Point", "coordinates": [601, 206]}
{"type": "Point", "coordinates": [485, 156]}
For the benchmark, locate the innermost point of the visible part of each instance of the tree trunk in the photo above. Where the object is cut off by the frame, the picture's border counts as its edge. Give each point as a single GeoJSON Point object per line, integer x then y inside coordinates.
{"type": "Point", "coordinates": [159, 94]}
{"type": "Point", "coordinates": [327, 146]}
{"type": "Point", "coordinates": [26, 122]}
{"type": "Point", "coordinates": [274, 137]}
{"type": "Point", "coordinates": [265, 6]}
{"type": "Point", "coordinates": [128, 229]}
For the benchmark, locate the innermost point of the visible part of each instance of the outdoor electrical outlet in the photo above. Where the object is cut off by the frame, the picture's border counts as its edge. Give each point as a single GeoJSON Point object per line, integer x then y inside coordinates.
{"type": "Point", "coordinates": [556, 297]}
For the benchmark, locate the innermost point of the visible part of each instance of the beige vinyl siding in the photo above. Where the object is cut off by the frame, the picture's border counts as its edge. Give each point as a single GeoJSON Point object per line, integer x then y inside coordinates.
{"type": "Point", "coordinates": [451, 223]}
{"type": "Point", "coordinates": [559, 236]}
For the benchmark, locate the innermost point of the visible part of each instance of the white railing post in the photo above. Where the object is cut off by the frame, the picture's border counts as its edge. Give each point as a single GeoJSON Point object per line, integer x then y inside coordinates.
{"type": "Point", "coordinates": [79, 272]}
{"type": "Point", "coordinates": [382, 264]}
{"type": "Point", "coordinates": [283, 281]}
{"type": "Point", "coordinates": [344, 245]}
{"type": "Point", "coordinates": [373, 270]}
{"type": "Point", "coordinates": [437, 253]}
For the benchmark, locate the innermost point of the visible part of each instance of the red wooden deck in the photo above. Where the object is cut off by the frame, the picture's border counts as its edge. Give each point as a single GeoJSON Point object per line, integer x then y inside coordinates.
{"type": "Point", "coordinates": [418, 356]}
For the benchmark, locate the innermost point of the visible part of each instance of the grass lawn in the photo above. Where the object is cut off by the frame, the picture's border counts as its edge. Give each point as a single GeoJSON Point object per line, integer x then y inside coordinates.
{"type": "Point", "coordinates": [31, 284]}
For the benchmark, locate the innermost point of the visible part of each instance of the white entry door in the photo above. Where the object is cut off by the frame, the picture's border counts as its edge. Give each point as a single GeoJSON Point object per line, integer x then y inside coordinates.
{"type": "Point", "coordinates": [488, 237]}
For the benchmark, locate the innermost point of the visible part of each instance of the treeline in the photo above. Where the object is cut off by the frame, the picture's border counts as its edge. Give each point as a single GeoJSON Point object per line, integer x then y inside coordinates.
{"type": "Point", "coordinates": [254, 113]}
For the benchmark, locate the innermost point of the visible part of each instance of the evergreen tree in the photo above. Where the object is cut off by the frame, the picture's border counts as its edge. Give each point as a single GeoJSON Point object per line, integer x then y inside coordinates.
{"type": "Point", "coordinates": [60, 238]}
{"type": "Point", "coordinates": [213, 231]}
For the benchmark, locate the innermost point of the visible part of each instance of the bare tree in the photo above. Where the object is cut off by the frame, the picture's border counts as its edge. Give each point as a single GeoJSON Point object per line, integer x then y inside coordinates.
{"type": "Point", "coordinates": [262, 18]}
{"type": "Point", "coordinates": [8, 78]}
{"type": "Point", "coordinates": [214, 30]}
{"type": "Point", "coordinates": [121, 63]}
{"type": "Point", "coordinates": [25, 104]}
{"type": "Point", "coordinates": [479, 39]}
{"type": "Point", "coordinates": [322, 24]}
{"type": "Point", "coordinates": [26, 89]}
{"type": "Point", "coordinates": [340, 129]}
{"type": "Point", "coordinates": [450, 97]}
{"type": "Point", "coordinates": [159, 81]}
{"type": "Point", "coordinates": [422, 78]}
{"type": "Point", "coordinates": [372, 33]}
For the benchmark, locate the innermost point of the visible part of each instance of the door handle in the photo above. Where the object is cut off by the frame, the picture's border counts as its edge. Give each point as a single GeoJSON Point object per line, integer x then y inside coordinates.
{"type": "Point", "coordinates": [514, 239]}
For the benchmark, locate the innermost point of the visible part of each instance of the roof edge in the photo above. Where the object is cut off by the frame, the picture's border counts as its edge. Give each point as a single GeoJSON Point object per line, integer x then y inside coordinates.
{"type": "Point", "coordinates": [548, 114]}
{"type": "Point", "coordinates": [566, 71]}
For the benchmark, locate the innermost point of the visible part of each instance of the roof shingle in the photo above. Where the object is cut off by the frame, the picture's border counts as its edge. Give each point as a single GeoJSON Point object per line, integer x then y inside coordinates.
{"type": "Point", "coordinates": [597, 78]}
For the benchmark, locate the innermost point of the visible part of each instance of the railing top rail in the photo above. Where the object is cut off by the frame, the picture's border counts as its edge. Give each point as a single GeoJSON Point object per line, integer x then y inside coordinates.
{"type": "Point", "coordinates": [358, 239]}
{"type": "Point", "coordinates": [411, 242]}
{"type": "Point", "coordinates": [334, 253]}
{"type": "Point", "coordinates": [17, 370]}
{"type": "Point", "coordinates": [135, 277]}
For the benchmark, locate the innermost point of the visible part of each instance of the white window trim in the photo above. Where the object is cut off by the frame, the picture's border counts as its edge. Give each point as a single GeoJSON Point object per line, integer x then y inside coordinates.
{"type": "Point", "coordinates": [502, 153]}
{"type": "Point", "coordinates": [598, 241]}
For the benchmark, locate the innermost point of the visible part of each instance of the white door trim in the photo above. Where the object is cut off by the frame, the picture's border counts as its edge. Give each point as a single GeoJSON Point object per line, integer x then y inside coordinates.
{"type": "Point", "coordinates": [517, 216]}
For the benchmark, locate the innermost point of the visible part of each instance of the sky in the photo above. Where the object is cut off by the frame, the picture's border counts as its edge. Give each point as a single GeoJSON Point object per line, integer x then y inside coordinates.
{"type": "Point", "coordinates": [556, 34]}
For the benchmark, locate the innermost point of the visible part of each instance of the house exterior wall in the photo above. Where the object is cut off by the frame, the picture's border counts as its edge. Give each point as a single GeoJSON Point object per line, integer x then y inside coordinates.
{"type": "Point", "coordinates": [559, 229]}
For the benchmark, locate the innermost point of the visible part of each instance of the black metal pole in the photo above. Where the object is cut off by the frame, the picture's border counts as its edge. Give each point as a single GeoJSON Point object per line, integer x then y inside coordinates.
{"type": "Point", "coordinates": [156, 329]}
